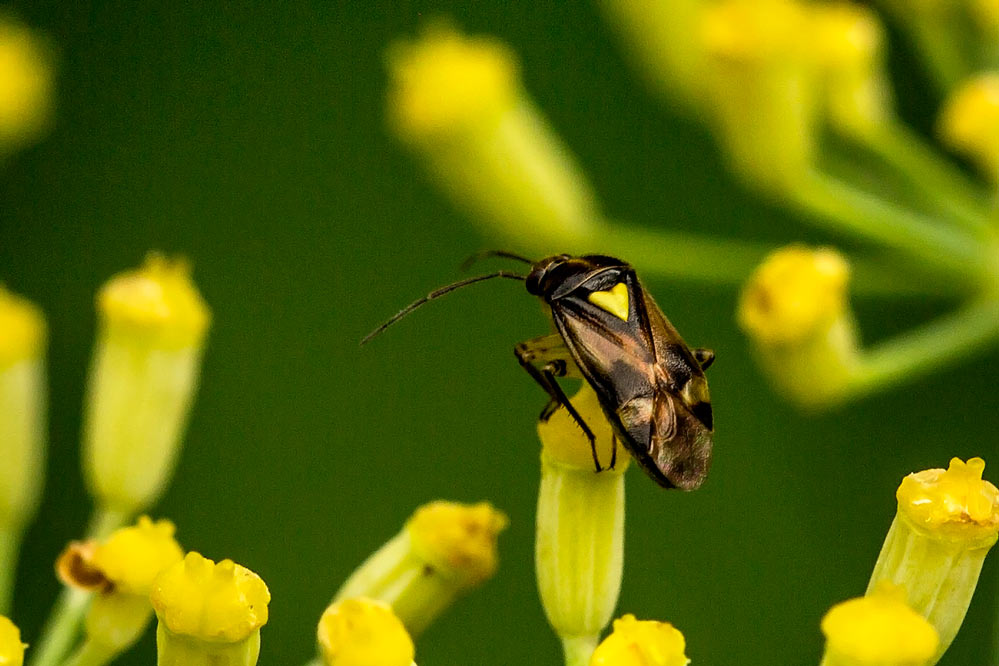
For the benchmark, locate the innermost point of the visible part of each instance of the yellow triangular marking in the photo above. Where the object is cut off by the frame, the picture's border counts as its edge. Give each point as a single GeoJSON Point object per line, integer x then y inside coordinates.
{"type": "Point", "coordinates": [614, 300]}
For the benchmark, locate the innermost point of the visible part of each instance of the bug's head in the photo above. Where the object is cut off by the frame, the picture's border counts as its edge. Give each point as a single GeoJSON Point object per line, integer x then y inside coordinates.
{"type": "Point", "coordinates": [564, 272]}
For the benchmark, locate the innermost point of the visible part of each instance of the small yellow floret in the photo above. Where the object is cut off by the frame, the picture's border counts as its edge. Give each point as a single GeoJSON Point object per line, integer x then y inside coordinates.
{"type": "Point", "coordinates": [446, 82]}
{"type": "Point", "coordinates": [222, 603]}
{"type": "Point", "coordinates": [955, 502]}
{"type": "Point", "coordinates": [459, 539]}
{"type": "Point", "coordinates": [158, 303]}
{"type": "Point", "coordinates": [564, 442]}
{"type": "Point", "coordinates": [25, 84]}
{"type": "Point", "coordinates": [755, 29]}
{"type": "Point", "coordinates": [11, 647]}
{"type": "Point", "coordinates": [880, 629]}
{"type": "Point", "coordinates": [641, 643]}
{"type": "Point", "coordinates": [22, 328]}
{"type": "Point", "coordinates": [363, 632]}
{"type": "Point", "coordinates": [969, 122]}
{"type": "Point", "coordinates": [846, 34]}
{"type": "Point", "coordinates": [132, 557]}
{"type": "Point", "coordinates": [795, 293]}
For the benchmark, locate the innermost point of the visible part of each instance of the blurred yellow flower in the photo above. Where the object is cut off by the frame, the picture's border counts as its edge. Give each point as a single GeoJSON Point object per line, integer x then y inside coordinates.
{"type": "Point", "coordinates": [363, 632]}
{"type": "Point", "coordinates": [641, 643]}
{"type": "Point", "coordinates": [11, 647]}
{"type": "Point", "coordinates": [26, 85]}
{"type": "Point", "coordinates": [969, 121]}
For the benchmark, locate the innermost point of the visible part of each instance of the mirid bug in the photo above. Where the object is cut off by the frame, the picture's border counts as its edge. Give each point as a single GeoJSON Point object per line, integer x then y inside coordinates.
{"type": "Point", "coordinates": [611, 334]}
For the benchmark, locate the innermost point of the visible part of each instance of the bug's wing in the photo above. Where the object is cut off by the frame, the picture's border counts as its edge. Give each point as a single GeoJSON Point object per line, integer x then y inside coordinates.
{"type": "Point", "coordinates": [680, 445]}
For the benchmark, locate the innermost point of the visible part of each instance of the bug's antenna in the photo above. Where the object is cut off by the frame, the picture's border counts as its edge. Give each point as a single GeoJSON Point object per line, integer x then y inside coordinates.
{"type": "Point", "coordinates": [437, 293]}
{"type": "Point", "coordinates": [478, 256]}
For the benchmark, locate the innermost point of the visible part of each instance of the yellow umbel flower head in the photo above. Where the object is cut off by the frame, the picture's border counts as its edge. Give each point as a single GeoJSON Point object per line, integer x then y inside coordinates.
{"type": "Point", "coordinates": [955, 502]}
{"type": "Point", "coordinates": [22, 326]}
{"type": "Point", "coordinates": [25, 85]}
{"type": "Point", "coordinates": [969, 122]}
{"type": "Point", "coordinates": [447, 82]}
{"type": "Point", "coordinates": [157, 303]}
{"type": "Point", "coordinates": [211, 602]}
{"type": "Point", "coordinates": [363, 632]}
{"type": "Point", "coordinates": [641, 643]}
{"type": "Point", "coordinates": [132, 557]}
{"type": "Point", "coordinates": [11, 647]}
{"type": "Point", "coordinates": [878, 630]}
{"type": "Point", "coordinates": [458, 539]}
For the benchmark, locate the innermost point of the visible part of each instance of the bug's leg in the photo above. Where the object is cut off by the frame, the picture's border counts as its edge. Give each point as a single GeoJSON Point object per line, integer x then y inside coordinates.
{"type": "Point", "coordinates": [704, 357]}
{"type": "Point", "coordinates": [548, 372]}
{"type": "Point", "coordinates": [533, 354]}
{"type": "Point", "coordinates": [613, 450]}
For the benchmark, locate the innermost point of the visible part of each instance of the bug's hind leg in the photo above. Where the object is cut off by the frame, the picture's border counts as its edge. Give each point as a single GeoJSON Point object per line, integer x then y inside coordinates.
{"type": "Point", "coordinates": [545, 359]}
{"type": "Point", "coordinates": [704, 357]}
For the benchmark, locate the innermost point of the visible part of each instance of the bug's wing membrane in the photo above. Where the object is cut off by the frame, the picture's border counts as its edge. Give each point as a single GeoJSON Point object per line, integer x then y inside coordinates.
{"type": "Point", "coordinates": [680, 445]}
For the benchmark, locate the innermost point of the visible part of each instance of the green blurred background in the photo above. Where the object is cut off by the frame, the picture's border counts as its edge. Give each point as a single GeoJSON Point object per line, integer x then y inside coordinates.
{"type": "Point", "coordinates": [250, 137]}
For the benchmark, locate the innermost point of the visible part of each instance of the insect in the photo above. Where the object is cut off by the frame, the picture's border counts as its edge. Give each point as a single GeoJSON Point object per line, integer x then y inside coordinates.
{"type": "Point", "coordinates": [611, 334]}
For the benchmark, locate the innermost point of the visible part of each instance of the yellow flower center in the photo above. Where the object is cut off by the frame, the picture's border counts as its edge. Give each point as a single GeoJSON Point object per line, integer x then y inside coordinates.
{"type": "Point", "coordinates": [754, 29]}
{"type": "Point", "coordinates": [955, 503]}
{"type": "Point", "coordinates": [459, 539]}
{"type": "Point", "coordinates": [222, 603]}
{"type": "Point", "coordinates": [132, 557]}
{"type": "Point", "coordinates": [641, 643]}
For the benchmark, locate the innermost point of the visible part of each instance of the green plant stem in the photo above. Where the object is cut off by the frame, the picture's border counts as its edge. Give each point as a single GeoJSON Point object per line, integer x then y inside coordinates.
{"type": "Point", "coordinates": [579, 649]}
{"type": "Point", "coordinates": [927, 347]}
{"type": "Point", "coordinates": [844, 208]}
{"type": "Point", "coordinates": [10, 542]}
{"type": "Point", "coordinates": [938, 46]}
{"type": "Point", "coordinates": [90, 654]}
{"type": "Point", "coordinates": [63, 624]}
{"type": "Point", "coordinates": [952, 191]}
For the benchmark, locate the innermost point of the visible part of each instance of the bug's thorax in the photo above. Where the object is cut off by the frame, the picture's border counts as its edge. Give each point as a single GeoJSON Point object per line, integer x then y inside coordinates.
{"type": "Point", "coordinates": [557, 276]}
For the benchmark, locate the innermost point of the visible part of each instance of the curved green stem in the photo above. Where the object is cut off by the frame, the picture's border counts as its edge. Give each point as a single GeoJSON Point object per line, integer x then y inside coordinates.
{"type": "Point", "coordinates": [62, 627]}
{"type": "Point", "coordinates": [90, 654]}
{"type": "Point", "coordinates": [951, 190]}
{"type": "Point", "coordinates": [10, 542]}
{"type": "Point", "coordinates": [927, 348]}
{"type": "Point", "coordinates": [844, 208]}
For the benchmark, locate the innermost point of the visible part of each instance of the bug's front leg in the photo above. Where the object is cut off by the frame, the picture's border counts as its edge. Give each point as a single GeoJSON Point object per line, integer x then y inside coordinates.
{"type": "Point", "coordinates": [545, 359]}
{"type": "Point", "coordinates": [704, 357]}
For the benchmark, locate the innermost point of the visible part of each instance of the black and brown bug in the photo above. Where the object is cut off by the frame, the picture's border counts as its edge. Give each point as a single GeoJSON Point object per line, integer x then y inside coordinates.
{"type": "Point", "coordinates": [611, 334]}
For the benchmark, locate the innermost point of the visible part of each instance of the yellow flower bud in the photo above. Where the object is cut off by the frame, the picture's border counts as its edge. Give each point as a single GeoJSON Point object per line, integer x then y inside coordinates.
{"type": "Point", "coordinates": [946, 523]}
{"type": "Point", "coordinates": [579, 543]}
{"type": "Point", "coordinates": [11, 647]}
{"type": "Point", "coordinates": [762, 83]}
{"type": "Point", "coordinates": [223, 603]}
{"type": "Point", "coordinates": [26, 85]}
{"type": "Point", "coordinates": [363, 632]}
{"type": "Point", "coordinates": [23, 329]}
{"type": "Point", "coordinates": [444, 550]}
{"type": "Point", "coordinates": [132, 557]}
{"type": "Point", "coordinates": [878, 630]}
{"type": "Point", "coordinates": [794, 309]}
{"type": "Point", "coordinates": [142, 381]}
{"type": "Point", "coordinates": [641, 643]}
{"type": "Point", "coordinates": [458, 101]}
{"type": "Point", "coordinates": [849, 40]}
{"type": "Point", "coordinates": [969, 122]}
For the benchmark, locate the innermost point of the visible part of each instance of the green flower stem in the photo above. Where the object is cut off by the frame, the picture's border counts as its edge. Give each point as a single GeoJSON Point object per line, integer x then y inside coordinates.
{"type": "Point", "coordinates": [928, 347]}
{"type": "Point", "coordinates": [924, 167]}
{"type": "Point", "coordinates": [90, 654]}
{"type": "Point", "coordinates": [10, 542]}
{"type": "Point", "coordinates": [844, 208]}
{"type": "Point", "coordinates": [63, 624]}
{"type": "Point", "coordinates": [579, 649]}
{"type": "Point", "coordinates": [939, 47]}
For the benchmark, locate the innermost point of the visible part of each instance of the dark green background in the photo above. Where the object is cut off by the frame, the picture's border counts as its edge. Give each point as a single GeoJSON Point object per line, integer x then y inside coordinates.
{"type": "Point", "coordinates": [250, 137]}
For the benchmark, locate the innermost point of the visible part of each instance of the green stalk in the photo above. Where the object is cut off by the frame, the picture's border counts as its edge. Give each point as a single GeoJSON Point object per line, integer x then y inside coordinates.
{"type": "Point", "coordinates": [579, 649]}
{"type": "Point", "coordinates": [10, 541]}
{"type": "Point", "coordinates": [845, 208]}
{"type": "Point", "coordinates": [90, 654]}
{"type": "Point", "coordinates": [62, 627]}
{"type": "Point", "coordinates": [927, 348]}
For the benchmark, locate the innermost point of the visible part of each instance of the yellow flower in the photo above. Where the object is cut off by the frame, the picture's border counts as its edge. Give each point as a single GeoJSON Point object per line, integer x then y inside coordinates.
{"type": "Point", "coordinates": [11, 647]}
{"type": "Point", "coordinates": [26, 85]}
{"type": "Point", "coordinates": [142, 381]}
{"type": "Point", "coordinates": [132, 557]}
{"type": "Point", "coordinates": [458, 101]}
{"type": "Point", "coordinates": [794, 309]}
{"type": "Point", "coordinates": [23, 327]}
{"type": "Point", "coordinates": [223, 603]}
{"type": "Point", "coordinates": [641, 643]}
{"type": "Point", "coordinates": [363, 632]}
{"type": "Point", "coordinates": [946, 523]}
{"type": "Point", "coordinates": [969, 122]}
{"type": "Point", "coordinates": [444, 550]}
{"type": "Point", "coordinates": [878, 630]}
{"type": "Point", "coordinates": [579, 543]}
